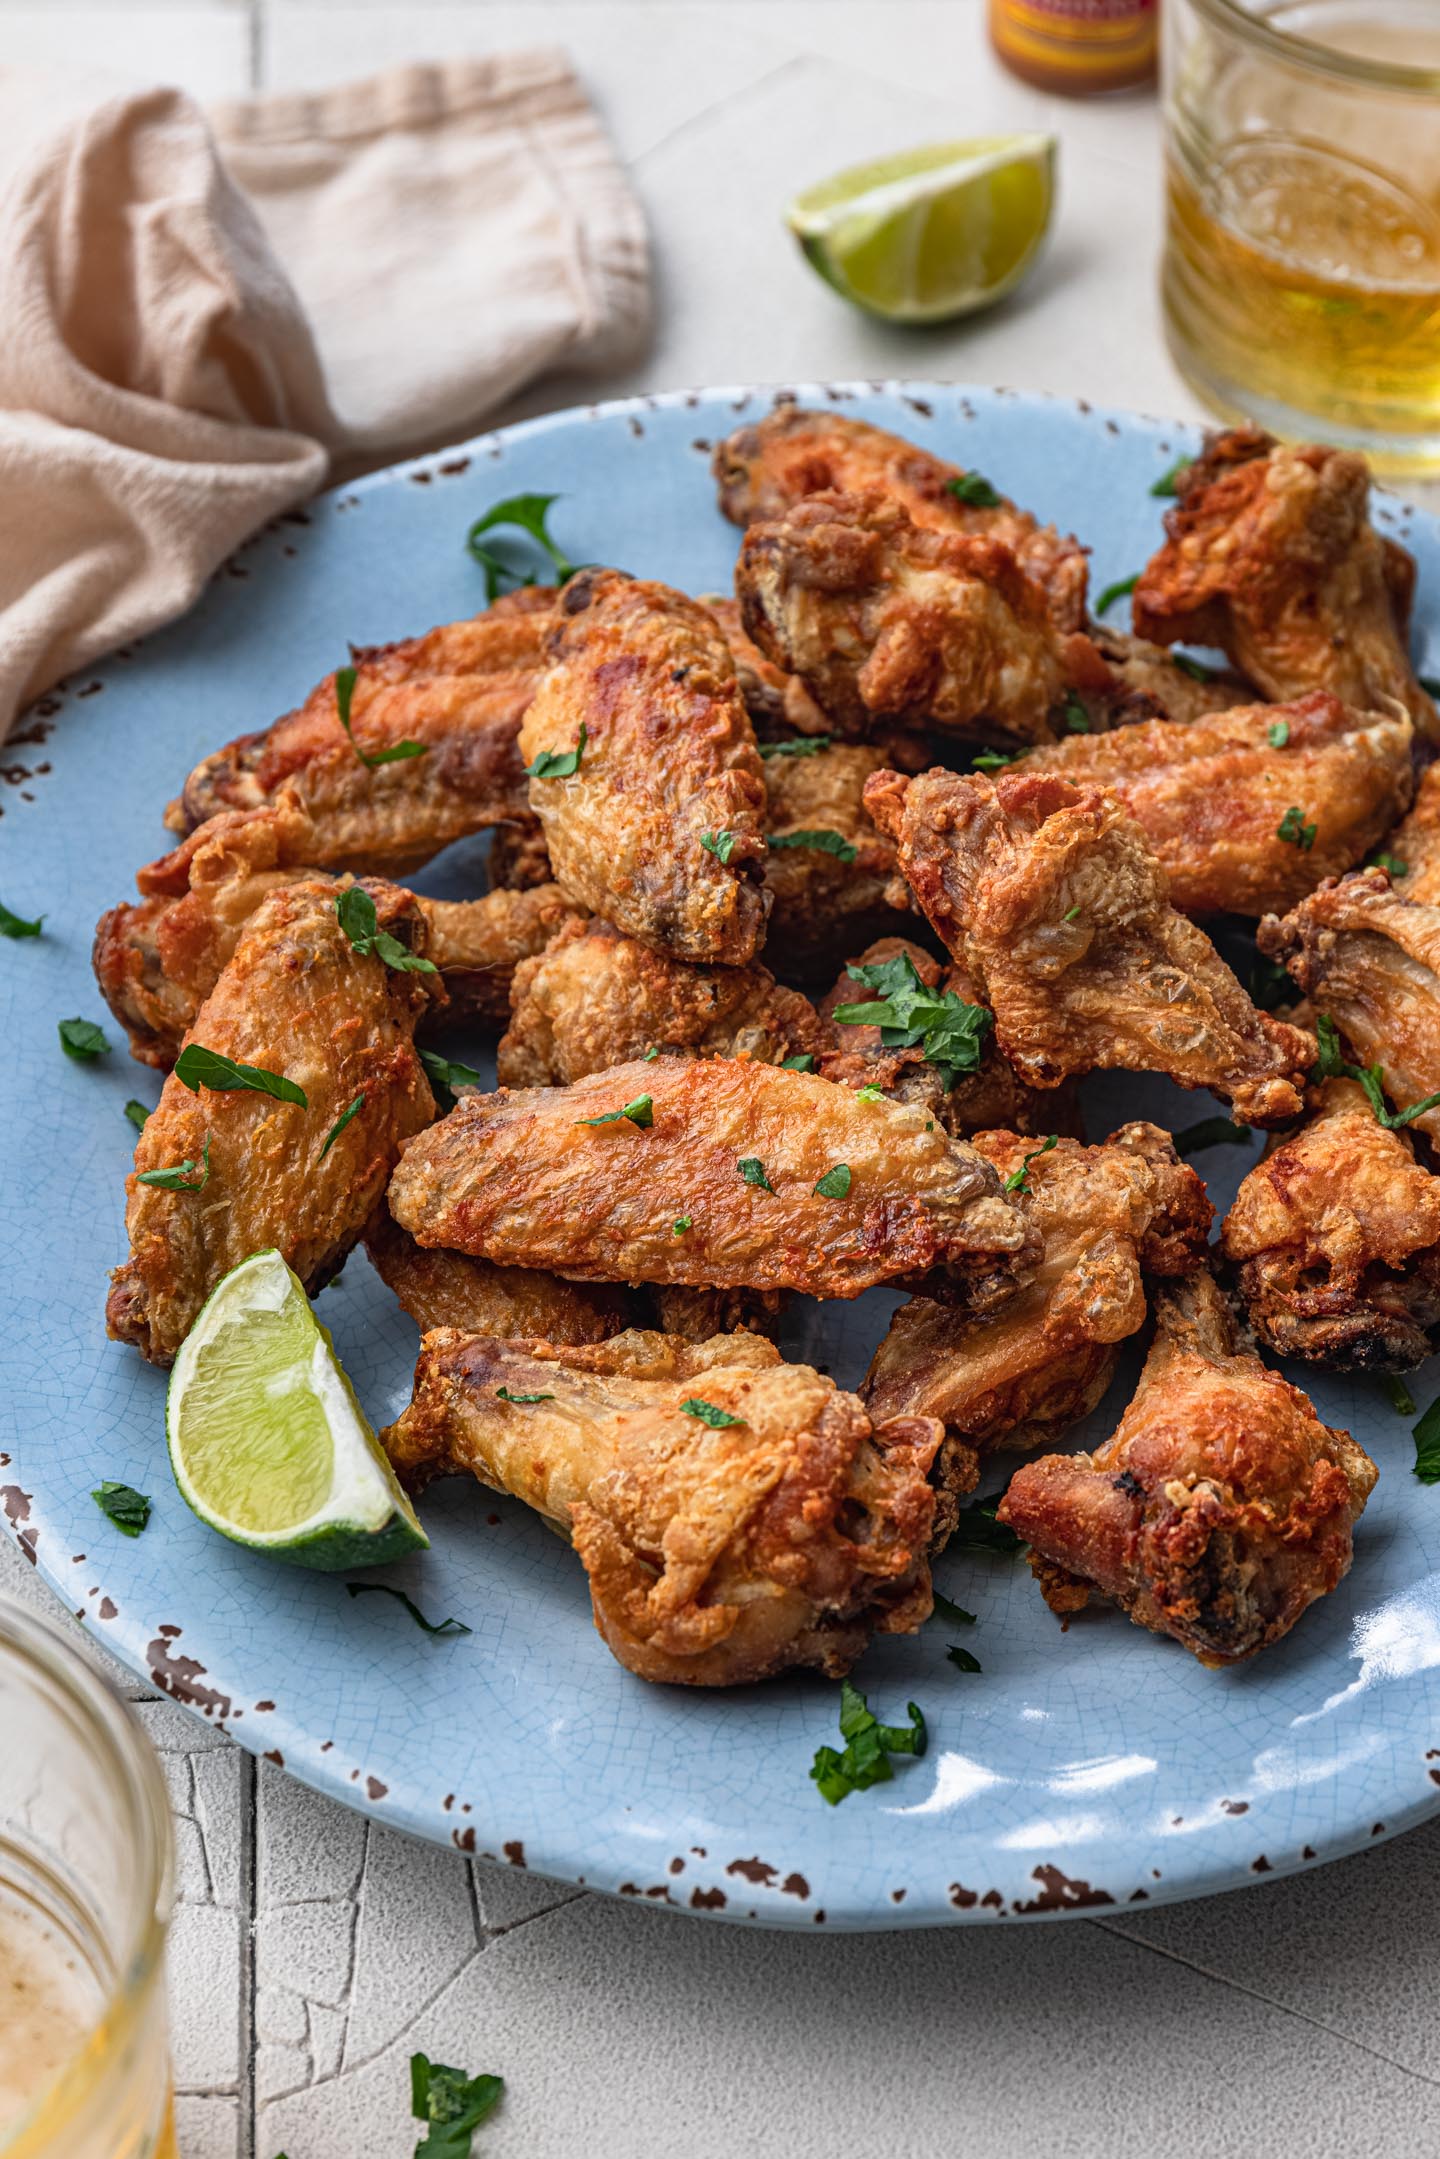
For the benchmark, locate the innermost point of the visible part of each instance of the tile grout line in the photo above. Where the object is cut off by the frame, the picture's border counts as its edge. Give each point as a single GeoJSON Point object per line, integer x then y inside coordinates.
{"type": "Point", "coordinates": [249, 1901]}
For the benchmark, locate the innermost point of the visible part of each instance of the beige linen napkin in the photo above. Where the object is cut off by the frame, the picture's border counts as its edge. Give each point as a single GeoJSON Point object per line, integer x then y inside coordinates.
{"type": "Point", "coordinates": [198, 321]}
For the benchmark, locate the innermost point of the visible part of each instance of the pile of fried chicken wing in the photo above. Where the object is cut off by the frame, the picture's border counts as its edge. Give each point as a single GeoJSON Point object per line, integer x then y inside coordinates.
{"type": "Point", "coordinates": [809, 910]}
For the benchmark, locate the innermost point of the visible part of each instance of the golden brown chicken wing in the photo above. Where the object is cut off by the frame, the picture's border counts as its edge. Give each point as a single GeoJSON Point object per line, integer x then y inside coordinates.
{"type": "Point", "coordinates": [713, 1182]}
{"type": "Point", "coordinates": [1412, 851]}
{"type": "Point", "coordinates": [299, 1000]}
{"type": "Point", "coordinates": [778, 704]}
{"type": "Point", "coordinates": [697, 1314]}
{"type": "Point", "coordinates": [1250, 809]}
{"type": "Point", "coordinates": [648, 784]}
{"type": "Point", "coordinates": [517, 856]}
{"type": "Point", "coordinates": [763, 471]}
{"type": "Point", "coordinates": [450, 1289]}
{"type": "Point", "coordinates": [735, 1515]}
{"type": "Point", "coordinates": [1272, 556]}
{"type": "Point", "coordinates": [1336, 1239]}
{"type": "Point", "coordinates": [478, 945]}
{"type": "Point", "coordinates": [826, 901]}
{"type": "Point", "coordinates": [1221, 1508]}
{"type": "Point", "coordinates": [1148, 684]}
{"type": "Point", "coordinates": [595, 998]}
{"type": "Point", "coordinates": [1050, 898]}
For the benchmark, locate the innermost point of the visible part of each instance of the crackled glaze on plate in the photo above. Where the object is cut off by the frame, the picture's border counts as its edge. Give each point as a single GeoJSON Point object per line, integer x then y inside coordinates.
{"type": "Point", "coordinates": [1077, 1769]}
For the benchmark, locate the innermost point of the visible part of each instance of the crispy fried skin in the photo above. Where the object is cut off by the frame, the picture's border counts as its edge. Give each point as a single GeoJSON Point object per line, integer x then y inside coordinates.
{"type": "Point", "coordinates": [889, 622]}
{"type": "Point", "coordinates": [450, 1289]}
{"type": "Point", "coordinates": [1416, 843]}
{"type": "Point", "coordinates": [1221, 1508]}
{"type": "Point", "coordinates": [823, 907]}
{"type": "Point", "coordinates": [1272, 556]}
{"type": "Point", "coordinates": [763, 471]}
{"type": "Point", "coordinates": [1336, 1239]}
{"type": "Point", "coordinates": [669, 756]}
{"type": "Point", "coordinates": [594, 998]}
{"type": "Point", "coordinates": [715, 1557]}
{"type": "Point", "coordinates": [517, 855]}
{"type": "Point", "coordinates": [1019, 1377]}
{"type": "Point", "coordinates": [460, 690]}
{"type": "Point", "coordinates": [521, 1179]}
{"type": "Point", "coordinates": [1371, 961]}
{"type": "Point", "coordinates": [478, 945]}
{"type": "Point", "coordinates": [1211, 797]}
{"type": "Point", "coordinates": [696, 1314]}
{"type": "Point", "coordinates": [1000, 870]}
{"type": "Point", "coordinates": [296, 998]}
{"type": "Point", "coordinates": [778, 704]}
{"type": "Point", "coordinates": [1150, 685]}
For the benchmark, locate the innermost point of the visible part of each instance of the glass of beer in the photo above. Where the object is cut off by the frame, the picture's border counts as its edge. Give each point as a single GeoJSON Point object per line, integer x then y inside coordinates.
{"type": "Point", "coordinates": [1301, 279]}
{"type": "Point", "coordinates": [85, 1889]}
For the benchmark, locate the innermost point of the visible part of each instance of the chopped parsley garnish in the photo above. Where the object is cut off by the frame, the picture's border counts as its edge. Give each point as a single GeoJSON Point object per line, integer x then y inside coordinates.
{"type": "Point", "coordinates": [1277, 734]}
{"type": "Point", "coordinates": [445, 1074]}
{"type": "Point", "coordinates": [395, 754]}
{"type": "Point", "coordinates": [1392, 863]}
{"type": "Point", "coordinates": [803, 1063]}
{"type": "Point", "coordinates": [82, 1040]}
{"type": "Point", "coordinates": [358, 920]}
{"type": "Point", "coordinates": [752, 1171]}
{"type": "Point", "coordinates": [1077, 719]}
{"type": "Point", "coordinates": [950, 1033]}
{"type": "Point", "coordinates": [453, 2105]}
{"type": "Point", "coordinates": [651, 1054]}
{"type": "Point", "coordinates": [681, 1223]}
{"type": "Point", "coordinates": [1165, 485]}
{"type": "Point", "coordinates": [719, 844]}
{"type": "Point", "coordinates": [992, 760]}
{"type": "Point", "coordinates": [640, 1112]}
{"type": "Point", "coordinates": [121, 1504]}
{"type": "Point", "coordinates": [978, 1528]}
{"type": "Point", "coordinates": [384, 1589]}
{"type": "Point", "coordinates": [872, 1094]}
{"type": "Point", "coordinates": [137, 1113]}
{"type": "Point", "coordinates": [1332, 1065]}
{"type": "Point", "coordinates": [1292, 827]}
{"type": "Point", "coordinates": [1120, 590]}
{"type": "Point", "coordinates": [1210, 1132]}
{"type": "Point", "coordinates": [962, 1659]}
{"type": "Point", "coordinates": [1195, 669]}
{"type": "Point", "coordinates": [1072, 914]}
{"type": "Point", "coordinates": [1401, 1400]}
{"type": "Point", "coordinates": [13, 925]}
{"type": "Point", "coordinates": [503, 1394]}
{"type": "Point", "coordinates": [559, 764]}
{"type": "Point", "coordinates": [340, 1123]}
{"type": "Point", "coordinates": [1019, 1179]}
{"type": "Point", "coordinates": [955, 1613]}
{"type": "Point", "coordinates": [835, 1183]}
{"type": "Point", "coordinates": [973, 489]}
{"type": "Point", "coordinates": [197, 1067]}
{"type": "Point", "coordinates": [1427, 1445]}
{"type": "Point", "coordinates": [824, 842]}
{"type": "Point", "coordinates": [797, 746]}
{"type": "Point", "coordinates": [528, 514]}
{"type": "Point", "coordinates": [182, 1178]}
{"type": "Point", "coordinates": [869, 1744]}
{"type": "Point", "coordinates": [707, 1412]}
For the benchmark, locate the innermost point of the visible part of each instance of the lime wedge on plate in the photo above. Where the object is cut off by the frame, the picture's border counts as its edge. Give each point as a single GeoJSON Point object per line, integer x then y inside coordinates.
{"type": "Point", "coordinates": [932, 233]}
{"type": "Point", "coordinates": [267, 1440]}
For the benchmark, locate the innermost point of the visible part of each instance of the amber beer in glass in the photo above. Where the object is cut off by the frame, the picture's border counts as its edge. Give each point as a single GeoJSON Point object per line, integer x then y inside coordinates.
{"type": "Point", "coordinates": [85, 1887]}
{"type": "Point", "coordinates": [1301, 274]}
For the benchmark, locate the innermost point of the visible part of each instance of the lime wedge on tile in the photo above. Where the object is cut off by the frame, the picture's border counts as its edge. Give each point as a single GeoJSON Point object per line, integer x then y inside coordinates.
{"type": "Point", "coordinates": [267, 1441]}
{"type": "Point", "coordinates": [931, 233]}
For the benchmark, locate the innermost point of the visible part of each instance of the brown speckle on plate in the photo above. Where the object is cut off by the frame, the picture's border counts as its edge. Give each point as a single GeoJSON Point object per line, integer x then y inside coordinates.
{"type": "Point", "coordinates": [1260, 1865]}
{"type": "Point", "coordinates": [109, 1609]}
{"type": "Point", "coordinates": [1236, 1806]}
{"type": "Point", "coordinates": [753, 1870]}
{"type": "Point", "coordinates": [707, 1900]}
{"type": "Point", "coordinates": [463, 1839]}
{"type": "Point", "coordinates": [374, 1789]}
{"type": "Point", "coordinates": [1059, 1893]}
{"type": "Point", "coordinates": [273, 1754]}
{"type": "Point", "coordinates": [181, 1677]}
{"type": "Point", "coordinates": [514, 1851]}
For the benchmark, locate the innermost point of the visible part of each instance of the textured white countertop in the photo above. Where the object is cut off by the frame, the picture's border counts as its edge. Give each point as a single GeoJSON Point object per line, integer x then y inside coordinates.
{"type": "Point", "coordinates": [313, 1952]}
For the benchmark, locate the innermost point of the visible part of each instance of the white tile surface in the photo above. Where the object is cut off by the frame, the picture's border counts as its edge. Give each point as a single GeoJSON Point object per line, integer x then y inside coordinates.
{"type": "Point", "coordinates": [203, 45]}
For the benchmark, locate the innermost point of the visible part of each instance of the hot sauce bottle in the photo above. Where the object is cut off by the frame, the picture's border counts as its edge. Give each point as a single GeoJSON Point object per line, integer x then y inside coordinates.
{"type": "Point", "coordinates": [1077, 47]}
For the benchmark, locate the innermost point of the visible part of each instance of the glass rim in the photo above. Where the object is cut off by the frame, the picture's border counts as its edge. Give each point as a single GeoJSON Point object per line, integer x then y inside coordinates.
{"type": "Point", "coordinates": [1322, 59]}
{"type": "Point", "coordinates": [126, 1757]}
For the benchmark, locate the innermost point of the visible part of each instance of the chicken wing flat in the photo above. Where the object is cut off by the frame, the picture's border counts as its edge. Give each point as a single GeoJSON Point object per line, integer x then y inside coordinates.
{"type": "Point", "coordinates": [826, 903]}
{"type": "Point", "coordinates": [449, 1289]}
{"type": "Point", "coordinates": [666, 761]}
{"type": "Point", "coordinates": [1413, 848]}
{"type": "Point", "coordinates": [1221, 1509]}
{"type": "Point", "coordinates": [734, 1514]}
{"type": "Point", "coordinates": [1370, 961]}
{"type": "Point", "coordinates": [1250, 809]}
{"type": "Point", "coordinates": [887, 622]}
{"type": "Point", "coordinates": [1335, 1237]}
{"type": "Point", "coordinates": [594, 998]}
{"type": "Point", "coordinates": [1018, 1378]}
{"type": "Point", "coordinates": [778, 704]}
{"type": "Point", "coordinates": [712, 1184]}
{"type": "Point", "coordinates": [763, 471]}
{"type": "Point", "coordinates": [1049, 897]}
{"type": "Point", "coordinates": [1271, 555]}
{"type": "Point", "coordinates": [299, 1000]}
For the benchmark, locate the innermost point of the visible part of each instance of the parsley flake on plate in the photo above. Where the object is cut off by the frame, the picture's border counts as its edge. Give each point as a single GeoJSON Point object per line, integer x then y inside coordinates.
{"type": "Point", "coordinates": [1166, 484]}
{"type": "Point", "coordinates": [955, 1613]}
{"type": "Point", "coordinates": [452, 2104]}
{"type": "Point", "coordinates": [865, 1758]}
{"type": "Point", "coordinates": [1392, 863]}
{"type": "Point", "coordinates": [993, 760]}
{"type": "Point", "coordinates": [1195, 669]}
{"type": "Point", "coordinates": [13, 925]}
{"type": "Point", "coordinates": [358, 919]}
{"type": "Point", "coordinates": [1401, 1400]}
{"type": "Point", "coordinates": [445, 1074]}
{"type": "Point", "coordinates": [137, 1113]}
{"type": "Point", "coordinates": [803, 1063]}
{"type": "Point", "coordinates": [384, 1589]}
{"type": "Point", "coordinates": [1427, 1445]}
{"type": "Point", "coordinates": [1077, 719]}
{"type": "Point", "coordinates": [1210, 1132]}
{"type": "Point", "coordinates": [978, 1528]}
{"type": "Point", "coordinates": [82, 1040]}
{"type": "Point", "coordinates": [962, 1659]}
{"type": "Point", "coordinates": [121, 1504]}
{"type": "Point", "coordinates": [1120, 590]}
{"type": "Point", "coordinates": [529, 514]}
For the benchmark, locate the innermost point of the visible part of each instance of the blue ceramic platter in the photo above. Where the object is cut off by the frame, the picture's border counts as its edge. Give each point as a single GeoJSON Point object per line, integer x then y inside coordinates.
{"type": "Point", "coordinates": [1096, 1766]}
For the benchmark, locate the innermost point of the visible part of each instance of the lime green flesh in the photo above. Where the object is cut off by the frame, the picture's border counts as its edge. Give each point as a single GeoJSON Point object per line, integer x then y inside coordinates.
{"type": "Point", "coordinates": [267, 1440]}
{"type": "Point", "coordinates": [935, 233]}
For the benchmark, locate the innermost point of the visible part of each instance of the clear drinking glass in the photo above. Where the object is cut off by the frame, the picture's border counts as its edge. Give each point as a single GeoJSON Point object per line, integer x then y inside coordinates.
{"type": "Point", "coordinates": [1301, 280]}
{"type": "Point", "coordinates": [85, 1888]}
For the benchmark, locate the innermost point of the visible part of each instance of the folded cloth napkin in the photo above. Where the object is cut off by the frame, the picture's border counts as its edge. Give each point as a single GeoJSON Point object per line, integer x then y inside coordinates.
{"type": "Point", "coordinates": [200, 320]}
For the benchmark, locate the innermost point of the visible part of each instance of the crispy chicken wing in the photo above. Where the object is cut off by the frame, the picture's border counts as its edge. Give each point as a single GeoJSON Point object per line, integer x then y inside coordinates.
{"type": "Point", "coordinates": [1272, 556]}
{"type": "Point", "coordinates": [1415, 843]}
{"type": "Point", "coordinates": [450, 1289]}
{"type": "Point", "coordinates": [1218, 799]}
{"type": "Point", "coordinates": [478, 945]}
{"type": "Point", "coordinates": [1050, 898]}
{"type": "Point", "coordinates": [1336, 1239]}
{"type": "Point", "coordinates": [825, 905]}
{"type": "Point", "coordinates": [517, 856]}
{"type": "Point", "coordinates": [763, 471]}
{"type": "Point", "coordinates": [530, 1179]}
{"type": "Point", "coordinates": [1221, 1508]}
{"type": "Point", "coordinates": [696, 1314]}
{"type": "Point", "coordinates": [777, 1536]}
{"type": "Point", "coordinates": [668, 758]}
{"type": "Point", "coordinates": [299, 1000]}
{"type": "Point", "coordinates": [1150, 685]}
{"type": "Point", "coordinates": [1370, 961]}
{"type": "Point", "coordinates": [778, 704]}
{"type": "Point", "coordinates": [595, 998]}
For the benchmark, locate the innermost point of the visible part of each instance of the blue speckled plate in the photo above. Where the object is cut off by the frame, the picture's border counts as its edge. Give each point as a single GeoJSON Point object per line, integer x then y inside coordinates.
{"type": "Point", "coordinates": [1092, 1767]}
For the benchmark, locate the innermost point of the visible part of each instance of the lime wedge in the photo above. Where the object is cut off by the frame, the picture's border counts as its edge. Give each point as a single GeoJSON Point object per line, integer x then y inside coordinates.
{"type": "Point", "coordinates": [931, 233]}
{"type": "Point", "coordinates": [267, 1441]}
